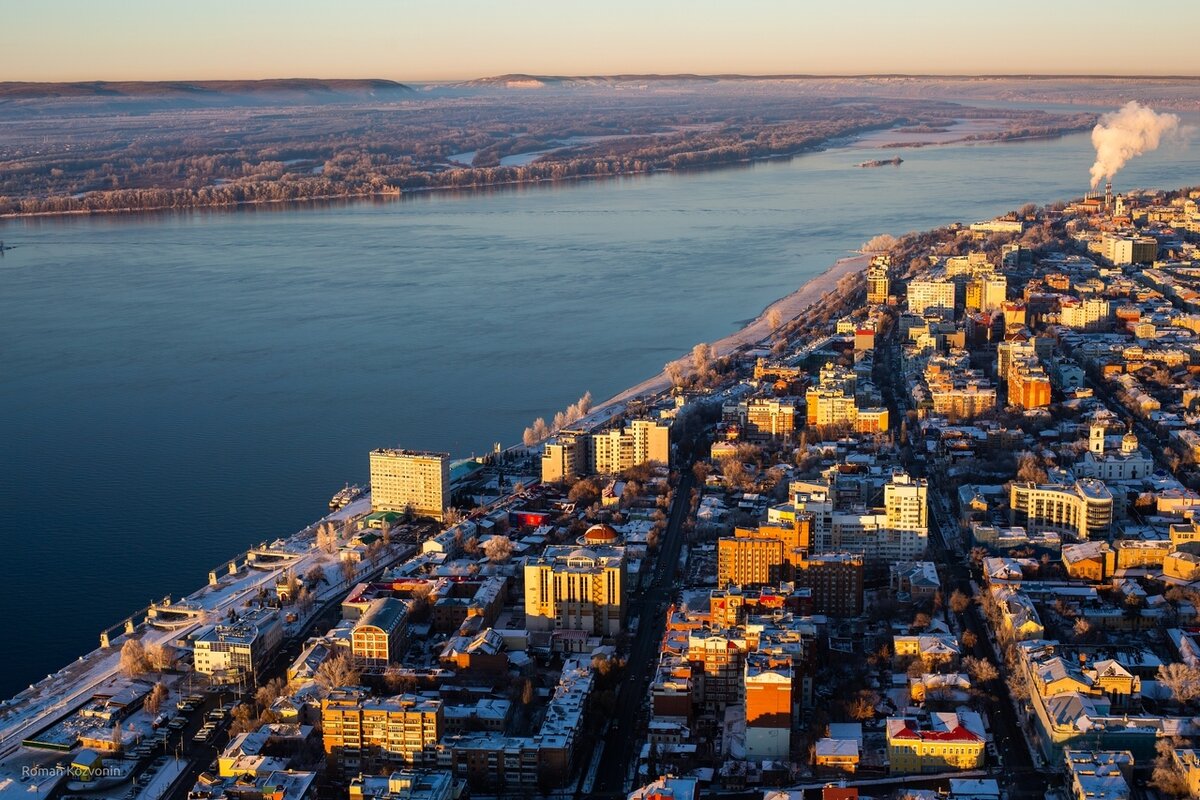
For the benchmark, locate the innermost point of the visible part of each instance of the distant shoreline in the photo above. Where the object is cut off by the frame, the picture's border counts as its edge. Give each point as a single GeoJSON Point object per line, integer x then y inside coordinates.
{"type": "Point", "coordinates": [840, 140]}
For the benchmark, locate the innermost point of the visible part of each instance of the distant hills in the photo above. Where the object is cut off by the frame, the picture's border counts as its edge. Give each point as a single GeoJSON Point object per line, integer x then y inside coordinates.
{"type": "Point", "coordinates": [199, 90]}
{"type": "Point", "coordinates": [527, 81]}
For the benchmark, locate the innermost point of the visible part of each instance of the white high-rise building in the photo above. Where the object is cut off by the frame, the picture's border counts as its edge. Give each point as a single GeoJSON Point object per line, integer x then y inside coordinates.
{"type": "Point", "coordinates": [926, 295]}
{"type": "Point", "coordinates": [905, 501]}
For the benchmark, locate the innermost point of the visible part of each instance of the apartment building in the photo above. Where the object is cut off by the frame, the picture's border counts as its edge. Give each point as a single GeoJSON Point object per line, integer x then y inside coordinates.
{"type": "Point", "coordinates": [768, 686]}
{"type": "Point", "coordinates": [576, 588]}
{"type": "Point", "coordinates": [1083, 509]}
{"type": "Point", "coordinates": [365, 734]}
{"type": "Point", "coordinates": [575, 453]}
{"type": "Point", "coordinates": [878, 279]}
{"type": "Point", "coordinates": [410, 479]}
{"type": "Point", "coordinates": [930, 295]}
{"type": "Point", "coordinates": [238, 650]}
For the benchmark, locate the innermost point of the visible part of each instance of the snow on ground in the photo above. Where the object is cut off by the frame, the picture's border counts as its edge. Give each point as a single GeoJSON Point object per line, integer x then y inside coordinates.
{"type": "Point", "coordinates": [35, 708]}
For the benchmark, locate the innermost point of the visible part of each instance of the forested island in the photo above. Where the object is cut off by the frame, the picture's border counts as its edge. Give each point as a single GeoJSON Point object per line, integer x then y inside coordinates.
{"type": "Point", "coordinates": [84, 148]}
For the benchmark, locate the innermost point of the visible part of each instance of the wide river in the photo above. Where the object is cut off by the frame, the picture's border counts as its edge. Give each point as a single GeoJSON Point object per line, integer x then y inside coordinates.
{"type": "Point", "coordinates": [174, 388]}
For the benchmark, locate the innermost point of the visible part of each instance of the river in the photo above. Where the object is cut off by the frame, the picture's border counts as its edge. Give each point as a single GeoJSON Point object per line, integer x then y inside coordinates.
{"type": "Point", "coordinates": [174, 388]}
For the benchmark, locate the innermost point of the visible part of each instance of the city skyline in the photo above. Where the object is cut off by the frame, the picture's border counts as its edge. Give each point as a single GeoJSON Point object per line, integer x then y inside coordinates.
{"type": "Point", "coordinates": [469, 39]}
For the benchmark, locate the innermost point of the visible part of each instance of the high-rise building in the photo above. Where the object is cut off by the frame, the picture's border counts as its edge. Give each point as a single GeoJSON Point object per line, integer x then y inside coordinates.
{"type": "Point", "coordinates": [1127, 249]}
{"type": "Point", "coordinates": [987, 293]}
{"type": "Point", "coordinates": [925, 295]}
{"type": "Point", "coordinates": [905, 501]}
{"type": "Point", "coordinates": [749, 561]}
{"type": "Point", "coordinates": [565, 457]}
{"type": "Point", "coordinates": [768, 687]}
{"type": "Point", "coordinates": [771, 418]}
{"type": "Point", "coordinates": [1090, 314]}
{"type": "Point", "coordinates": [365, 734]}
{"type": "Point", "coordinates": [1028, 384]}
{"type": "Point", "coordinates": [1008, 352]}
{"type": "Point", "coordinates": [717, 654]}
{"type": "Point", "coordinates": [1083, 509]}
{"type": "Point", "coordinates": [410, 479]}
{"type": "Point", "coordinates": [878, 280]}
{"type": "Point", "coordinates": [835, 580]}
{"type": "Point", "coordinates": [764, 555]}
{"type": "Point", "coordinates": [574, 453]}
{"type": "Point", "coordinates": [639, 442]}
{"type": "Point", "coordinates": [576, 588]}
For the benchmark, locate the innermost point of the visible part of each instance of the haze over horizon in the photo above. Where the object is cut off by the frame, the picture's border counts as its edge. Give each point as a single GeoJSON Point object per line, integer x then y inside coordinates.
{"type": "Point", "coordinates": [420, 41]}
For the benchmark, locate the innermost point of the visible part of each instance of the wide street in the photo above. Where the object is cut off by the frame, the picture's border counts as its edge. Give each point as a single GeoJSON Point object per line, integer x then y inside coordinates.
{"type": "Point", "coordinates": [622, 739]}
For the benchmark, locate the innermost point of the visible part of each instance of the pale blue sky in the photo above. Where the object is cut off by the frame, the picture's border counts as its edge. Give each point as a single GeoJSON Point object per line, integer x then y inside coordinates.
{"type": "Point", "coordinates": [420, 40]}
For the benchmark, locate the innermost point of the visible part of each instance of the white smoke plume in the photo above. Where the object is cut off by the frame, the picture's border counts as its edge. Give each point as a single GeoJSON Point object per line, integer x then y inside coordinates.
{"type": "Point", "coordinates": [1121, 135]}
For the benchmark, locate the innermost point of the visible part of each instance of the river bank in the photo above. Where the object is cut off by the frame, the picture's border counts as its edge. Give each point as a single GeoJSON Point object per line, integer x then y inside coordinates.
{"type": "Point", "coordinates": [789, 307]}
{"type": "Point", "coordinates": [881, 136]}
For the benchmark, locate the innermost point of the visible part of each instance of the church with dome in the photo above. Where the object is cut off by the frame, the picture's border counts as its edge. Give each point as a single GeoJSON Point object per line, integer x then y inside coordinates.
{"type": "Point", "coordinates": [1126, 462]}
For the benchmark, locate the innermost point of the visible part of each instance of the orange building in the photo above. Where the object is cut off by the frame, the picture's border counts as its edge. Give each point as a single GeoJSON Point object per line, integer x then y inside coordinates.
{"type": "Point", "coordinates": [763, 555]}
{"type": "Point", "coordinates": [768, 706]}
{"type": "Point", "coordinates": [746, 561]}
{"type": "Point", "coordinates": [1028, 385]}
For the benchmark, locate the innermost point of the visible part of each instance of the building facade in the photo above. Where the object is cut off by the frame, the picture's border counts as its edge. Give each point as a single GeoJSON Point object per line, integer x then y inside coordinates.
{"type": "Point", "coordinates": [410, 479]}
{"type": "Point", "coordinates": [576, 588]}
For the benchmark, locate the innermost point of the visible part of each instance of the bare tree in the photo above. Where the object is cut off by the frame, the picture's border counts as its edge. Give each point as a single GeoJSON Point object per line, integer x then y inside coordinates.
{"type": "Point", "coordinates": [879, 244]}
{"type": "Point", "coordinates": [1168, 778]}
{"type": "Point", "coordinates": [959, 602]}
{"type": "Point", "coordinates": [498, 549]}
{"type": "Point", "coordinates": [337, 670]}
{"type": "Point", "coordinates": [536, 432]}
{"type": "Point", "coordinates": [133, 658]}
{"type": "Point", "coordinates": [675, 373]}
{"type": "Point", "coordinates": [980, 669]}
{"type": "Point", "coordinates": [1182, 681]}
{"type": "Point", "coordinates": [702, 358]}
{"type": "Point", "coordinates": [862, 706]}
{"type": "Point", "coordinates": [1030, 469]}
{"type": "Point", "coordinates": [159, 657]}
{"type": "Point", "coordinates": [156, 698]}
{"type": "Point", "coordinates": [774, 319]}
{"type": "Point", "coordinates": [327, 538]}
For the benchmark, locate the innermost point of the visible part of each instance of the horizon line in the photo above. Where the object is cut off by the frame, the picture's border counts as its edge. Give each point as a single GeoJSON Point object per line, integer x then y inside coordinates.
{"type": "Point", "coordinates": [644, 75]}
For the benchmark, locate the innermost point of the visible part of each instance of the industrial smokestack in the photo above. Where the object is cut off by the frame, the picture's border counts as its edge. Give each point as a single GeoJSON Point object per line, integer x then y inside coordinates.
{"type": "Point", "coordinates": [1108, 196]}
{"type": "Point", "coordinates": [1121, 135]}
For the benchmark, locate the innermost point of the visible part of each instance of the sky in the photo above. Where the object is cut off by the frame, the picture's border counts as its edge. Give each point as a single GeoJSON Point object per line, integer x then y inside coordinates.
{"type": "Point", "coordinates": [429, 40]}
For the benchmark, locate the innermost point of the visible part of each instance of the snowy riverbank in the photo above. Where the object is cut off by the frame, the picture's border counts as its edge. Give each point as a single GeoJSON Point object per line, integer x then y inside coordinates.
{"type": "Point", "coordinates": [789, 307]}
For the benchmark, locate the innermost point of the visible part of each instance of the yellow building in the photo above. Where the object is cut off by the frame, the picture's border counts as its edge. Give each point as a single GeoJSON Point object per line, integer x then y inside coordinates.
{"type": "Point", "coordinates": [871, 420]}
{"type": "Point", "coordinates": [951, 741]}
{"type": "Point", "coordinates": [639, 442]}
{"type": "Point", "coordinates": [878, 281]}
{"type": "Point", "coordinates": [368, 734]}
{"type": "Point", "coordinates": [749, 561]}
{"type": "Point", "coordinates": [1182, 565]}
{"type": "Point", "coordinates": [380, 634]}
{"type": "Point", "coordinates": [1083, 509]}
{"type": "Point", "coordinates": [565, 457]}
{"type": "Point", "coordinates": [771, 418]}
{"type": "Point", "coordinates": [576, 588]}
{"type": "Point", "coordinates": [410, 479]}
{"type": "Point", "coordinates": [926, 295]}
